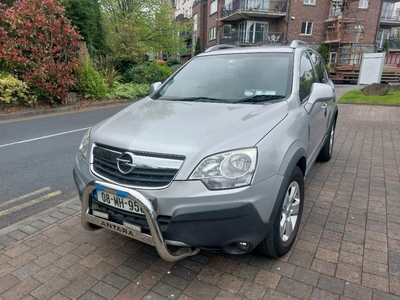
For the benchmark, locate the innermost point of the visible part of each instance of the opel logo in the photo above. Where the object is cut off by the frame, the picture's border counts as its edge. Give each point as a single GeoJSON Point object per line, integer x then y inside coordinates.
{"type": "Point", "coordinates": [126, 163]}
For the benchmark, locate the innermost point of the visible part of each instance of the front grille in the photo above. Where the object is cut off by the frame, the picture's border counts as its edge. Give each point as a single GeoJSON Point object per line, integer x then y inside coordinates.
{"type": "Point", "coordinates": [151, 171]}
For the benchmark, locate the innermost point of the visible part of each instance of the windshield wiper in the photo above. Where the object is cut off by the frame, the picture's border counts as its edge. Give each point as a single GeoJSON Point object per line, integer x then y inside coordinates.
{"type": "Point", "coordinates": [200, 98]}
{"type": "Point", "coordinates": [260, 98]}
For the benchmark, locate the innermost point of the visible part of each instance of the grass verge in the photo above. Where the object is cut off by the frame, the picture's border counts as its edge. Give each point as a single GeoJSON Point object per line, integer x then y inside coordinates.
{"type": "Point", "coordinates": [391, 98]}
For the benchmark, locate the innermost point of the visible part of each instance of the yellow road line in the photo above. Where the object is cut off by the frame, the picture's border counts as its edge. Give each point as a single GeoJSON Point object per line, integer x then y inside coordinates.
{"type": "Point", "coordinates": [30, 203]}
{"type": "Point", "coordinates": [25, 196]}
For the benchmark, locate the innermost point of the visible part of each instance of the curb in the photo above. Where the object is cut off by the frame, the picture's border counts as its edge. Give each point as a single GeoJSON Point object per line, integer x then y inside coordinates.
{"type": "Point", "coordinates": [64, 109]}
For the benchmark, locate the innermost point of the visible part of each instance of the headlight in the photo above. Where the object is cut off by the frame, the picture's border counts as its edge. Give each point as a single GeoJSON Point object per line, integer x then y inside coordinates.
{"type": "Point", "coordinates": [227, 170]}
{"type": "Point", "coordinates": [84, 146]}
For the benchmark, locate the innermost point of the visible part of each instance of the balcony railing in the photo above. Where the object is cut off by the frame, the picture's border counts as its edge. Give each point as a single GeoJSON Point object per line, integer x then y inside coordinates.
{"type": "Point", "coordinates": [242, 37]}
{"type": "Point", "coordinates": [268, 6]}
{"type": "Point", "coordinates": [393, 43]}
{"type": "Point", "coordinates": [195, 2]}
{"type": "Point", "coordinates": [390, 15]}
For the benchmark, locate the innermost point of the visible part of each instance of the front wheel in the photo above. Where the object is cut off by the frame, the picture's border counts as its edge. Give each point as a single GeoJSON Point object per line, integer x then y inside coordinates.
{"type": "Point", "coordinates": [285, 226]}
{"type": "Point", "coordinates": [326, 151]}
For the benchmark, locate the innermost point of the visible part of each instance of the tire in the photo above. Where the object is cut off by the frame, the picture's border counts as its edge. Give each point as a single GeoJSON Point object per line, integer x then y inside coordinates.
{"type": "Point", "coordinates": [326, 152]}
{"type": "Point", "coordinates": [279, 239]}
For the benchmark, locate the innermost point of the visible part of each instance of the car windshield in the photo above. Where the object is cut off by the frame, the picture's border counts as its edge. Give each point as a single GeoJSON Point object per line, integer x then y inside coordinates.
{"type": "Point", "coordinates": [231, 78]}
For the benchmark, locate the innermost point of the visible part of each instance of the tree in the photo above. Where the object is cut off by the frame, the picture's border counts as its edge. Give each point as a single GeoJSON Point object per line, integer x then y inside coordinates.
{"type": "Point", "coordinates": [323, 50]}
{"type": "Point", "coordinates": [86, 16]}
{"type": "Point", "coordinates": [40, 45]}
{"type": "Point", "coordinates": [197, 47]}
{"type": "Point", "coordinates": [7, 2]}
{"type": "Point", "coordinates": [137, 27]}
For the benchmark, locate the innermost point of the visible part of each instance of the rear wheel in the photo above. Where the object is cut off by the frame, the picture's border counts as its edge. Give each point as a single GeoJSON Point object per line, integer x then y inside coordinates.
{"type": "Point", "coordinates": [284, 229]}
{"type": "Point", "coordinates": [327, 149]}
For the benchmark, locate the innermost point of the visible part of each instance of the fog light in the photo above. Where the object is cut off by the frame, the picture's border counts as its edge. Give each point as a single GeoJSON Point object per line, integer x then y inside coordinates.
{"type": "Point", "coordinates": [243, 246]}
{"type": "Point", "coordinates": [132, 226]}
{"type": "Point", "coordinates": [100, 214]}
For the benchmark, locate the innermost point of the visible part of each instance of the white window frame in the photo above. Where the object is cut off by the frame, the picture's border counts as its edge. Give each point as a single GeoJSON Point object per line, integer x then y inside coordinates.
{"type": "Point", "coordinates": [363, 4]}
{"type": "Point", "coordinates": [308, 23]}
{"type": "Point", "coordinates": [212, 33]}
{"type": "Point", "coordinates": [332, 57]}
{"type": "Point", "coordinates": [309, 2]}
{"type": "Point", "coordinates": [213, 7]}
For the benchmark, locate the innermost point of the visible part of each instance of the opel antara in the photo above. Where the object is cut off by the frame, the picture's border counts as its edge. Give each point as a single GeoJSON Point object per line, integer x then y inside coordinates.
{"type": "Point", "coordinates": [215, 157]}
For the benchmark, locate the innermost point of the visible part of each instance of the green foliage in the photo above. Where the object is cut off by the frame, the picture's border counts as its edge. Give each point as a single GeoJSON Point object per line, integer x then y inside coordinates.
{"type": "Point", "coordinates": [391, 98]}
{"type": "Point", "coordinates": [386, 47]}
{"type": "Point", "coordinates": [86, 16]}
{"type": "Point", "coordinates": [174, 68]}
{"type": "Point", "coordinates": [147, 73]}
{"type": "Point", "coordinates": [91, 82]}
{"type": "Point", "coordinates": [106, 68]}
{"type": "Point", "coordinates": [14, 90]}
{"type": "Point", "coordinates": [197, 47]}
{"type": "Point", "coordinates": [129, 91]}
{"type": "Point", "coordinates": [173, 61]}
{"type": "Point", "coordinates": [7, 2]}
{"type": "Point", "coordinates": [137, 27]}
{"type": "Point", "coordinates": [323, 50]}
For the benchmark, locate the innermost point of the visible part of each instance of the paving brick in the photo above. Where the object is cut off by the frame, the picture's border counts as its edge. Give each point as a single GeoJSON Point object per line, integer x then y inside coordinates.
{"type": "Point", "coordinates": [225, 295]}
{"type": "Point", "coordinates": [133, 291]}
{"type": "Point", "coordinates": [153, 296]}
{"type": "Point", "coordinates": [117, 258]}
{"type": "Point", "coordinates": [294, 288]}
{"type": "Point", "coordinates": [375, 268]}
{"type": "Point", "coordinates": [379, 295]}
{"type": "Point", "coordinates": [26, 271]}
{"type": "Point", "coordinates": [91, 260]}
{"type": "Point", "coordinates": [74, 271]}
{"type": "Point", "coordinates": [301, 258]}
{"type": "Point", "coordinates": [357, 292]}
{"type": "Point", "coordinates": [319, 294]}
{"type": "Point", "coordinates": [65, 248]}
{"type": "Point", "coordinates": [245, 271]}
{"type": "Point", "coordinates": [40, 224]}
{"type": "Point", "coordinates": [21, 289]}
{"type": "Point", "coordinates": [59, 215]}
{"type": "Point", "coordinates": [6, 269]}
{"type": "Point", "coordinates": [283, 268]}
{"type": "Point", "coordinates": [17, 250]}
{"type": "Point", "coordinates": [349, 272]}
{"type": "Point", "coordinates": [48, 220]}
{"type": "Point", "coordinates": [327, 255]}
{"type": "Point", "coordinates": [201, 290]}
{"type": "Point", "coordinates": [183, 272]}
{"type": "Point", "coordinates": [136, 264]}
{"type": "Point", "coordinates": [191, 264]}
{"type": "Point", "coordinates": [230, 283]}
{"type": "Point", "coordinates": [375, 256]}
{"type": "Point", "coordinates": [8, 282]}
{"type": "Point", "coordinates": [394, 282]}
{"type": "Point", "coordinates": [222, 263]}
{"type": "Point", "coordinates": [306, 276]}
{"type": "Point", "coordinates": [22, 260]}
{"type": "Point", "coordinates": [324, 267]}
{"type": "Point", "coordinates": [331, 284]}
{"type": "Point", "coordinates": [330, 245]}
{"type": "Point", "coordinates": [50, 288]}
{"type": "Point", "coordinates": [46, 259]}
{"type": "Point", "coordinates": [352, 247]}
{"type": "Point", "coordinates": [166, 290]}
{"type": "Point", "coordinates": [92, 296]}
{"type": "Point", "coordinates": [84, 250]}
{"type": "Point", "coordinates": [262, 262]}
{"type": "Point", "coordinates": [306, 246]}
{"type": "Point", "coordinates": [148, 278]}
{"type": "Point", "coordinates": [276, 295]}
{"type": "Point", "coordinates": [44, 275]}
{"type": "Point", "coordinates": [209, 275]}
{"type": "Point", "coordinates": [116, 281]}
{"type": "Point", "coordinates": [59, 239]}
{"type": "Point", "coordinates": [351, 258]}
{"type": "Point", "coordinates": [252, 291]}
{"type": "Point", "coordinates": [122, 270]}
{"type": "Point", "coordinates": [41, 249]}
{"type": "Point", "coordinates": [375, 282]}
{"type": "Point", "coordinates": [175, 281]}
{"type": "Point", "coordinates": [66, 261]}
{"type": "Point", "coordinates": [58, 296]}
{"type": "Point", "coordinates": [105, 290]}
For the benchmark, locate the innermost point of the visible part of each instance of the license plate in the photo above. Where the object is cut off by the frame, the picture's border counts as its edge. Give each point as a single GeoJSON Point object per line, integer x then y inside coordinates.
{"type": "Point", "coordinates": [119, 202]}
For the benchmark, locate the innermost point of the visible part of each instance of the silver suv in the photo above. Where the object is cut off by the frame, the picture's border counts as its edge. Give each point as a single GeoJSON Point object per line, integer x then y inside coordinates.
{"type": "Point", "coordinates": [215, 157]}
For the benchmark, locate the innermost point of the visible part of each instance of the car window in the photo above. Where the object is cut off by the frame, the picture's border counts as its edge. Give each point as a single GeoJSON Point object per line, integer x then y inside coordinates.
{"type": "Point", "coordinates": [320, 68]}
{"type": "Point", "coordinates": [231, 77]}
{"type": "Point", "coordinates": [307, 77]}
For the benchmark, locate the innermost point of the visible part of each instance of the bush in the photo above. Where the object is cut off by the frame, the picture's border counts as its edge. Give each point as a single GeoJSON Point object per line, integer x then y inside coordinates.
{"type": "Point", "coordinates": [173, 61]}
{"type": "Point", "coordinates": [129, 91]}
{"type": "Point", "coordinates": [147, 73]}
{"type": "Point", "coordinates": [174, 68]}
{"type": "Point", "coordinates": [91, 82]}
{"type": "Point", "coordinates": [14, 90]}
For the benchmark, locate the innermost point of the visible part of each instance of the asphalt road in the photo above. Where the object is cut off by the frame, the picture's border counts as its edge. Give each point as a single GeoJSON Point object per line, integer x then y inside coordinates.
{"type": "Point", "coordinates": [36, 161]}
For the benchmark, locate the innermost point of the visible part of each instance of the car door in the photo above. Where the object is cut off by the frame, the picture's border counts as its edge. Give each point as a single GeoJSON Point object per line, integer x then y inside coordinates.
{"type": "Point", "coordinates": [317, 116]}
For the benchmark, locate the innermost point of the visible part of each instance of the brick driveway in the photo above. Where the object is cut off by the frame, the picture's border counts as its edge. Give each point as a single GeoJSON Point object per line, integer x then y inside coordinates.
{"type": "Point", "coordinates": [348, 246]}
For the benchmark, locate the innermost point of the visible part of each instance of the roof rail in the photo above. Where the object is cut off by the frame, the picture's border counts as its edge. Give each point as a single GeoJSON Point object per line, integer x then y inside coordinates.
{"type": "Point", "coordinates": [297, 43]}
{"type": "Point", "coordinates": [220, 47]}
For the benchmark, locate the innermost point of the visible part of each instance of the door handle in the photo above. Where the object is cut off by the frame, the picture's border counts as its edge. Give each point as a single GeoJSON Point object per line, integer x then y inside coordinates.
{"type": "Point", "coordinates": [324, 105]}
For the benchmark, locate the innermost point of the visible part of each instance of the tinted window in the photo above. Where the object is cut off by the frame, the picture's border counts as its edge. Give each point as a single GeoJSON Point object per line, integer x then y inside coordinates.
{"type": "Point", "coordinates": [231, 77]}
{"type": "Point", "coordinates": [307, 76]}
{"type": "Point", "coordinates": [320, 68]}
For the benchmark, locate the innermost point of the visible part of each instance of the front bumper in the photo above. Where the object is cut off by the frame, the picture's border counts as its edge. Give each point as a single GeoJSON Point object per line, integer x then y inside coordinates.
{"type": "Point", "coordinates": [155, 239]}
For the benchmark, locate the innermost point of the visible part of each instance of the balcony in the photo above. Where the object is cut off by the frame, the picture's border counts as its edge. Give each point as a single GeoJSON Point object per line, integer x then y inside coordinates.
{"type": "Point", "coordinates": [394, 44]}
{"type": "Point", "coordinates": [248, 38]}
{"type": "Point", "coordinates": [343, 36]}
{"type": "Point", "coordinates": [390, 18]}
{"type": "Point", "coordinates": [245, 9]}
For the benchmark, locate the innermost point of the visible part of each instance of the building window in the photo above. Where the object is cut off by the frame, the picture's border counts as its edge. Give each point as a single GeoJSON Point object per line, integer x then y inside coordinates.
{"type": "Point", "coordinates": [363, 4]}
{"type": "Point", "coordinates": [213, 7]}
{"type": "Point", "coordinates": [306, 28]}
{"type": "Point", "coordinates": [309, 2]}
{"type": "Point", "coordinates": [332, 58]}
{"type": "Point", "coordinates": [212, 35]}
{"type": "Point", "coordinates": [227, 30]}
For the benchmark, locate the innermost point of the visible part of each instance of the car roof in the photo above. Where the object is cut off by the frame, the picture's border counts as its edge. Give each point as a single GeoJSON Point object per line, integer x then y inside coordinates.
{"type": "Point", "coordinates": [249, 49]}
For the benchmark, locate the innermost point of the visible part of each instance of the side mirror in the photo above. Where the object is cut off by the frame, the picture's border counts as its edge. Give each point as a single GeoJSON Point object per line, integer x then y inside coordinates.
{"type": "Point", "coordinates": [320, 92]}
{"type": "Point", "coordinates": [154, 87]}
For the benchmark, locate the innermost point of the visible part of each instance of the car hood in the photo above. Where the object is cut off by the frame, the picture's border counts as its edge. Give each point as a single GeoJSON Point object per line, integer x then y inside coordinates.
{"type": "Point", "coordinates": [192, 129]}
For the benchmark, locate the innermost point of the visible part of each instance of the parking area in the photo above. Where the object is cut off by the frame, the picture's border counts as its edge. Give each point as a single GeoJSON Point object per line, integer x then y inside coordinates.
{"type": "Point", "coordinates": [348, 245]}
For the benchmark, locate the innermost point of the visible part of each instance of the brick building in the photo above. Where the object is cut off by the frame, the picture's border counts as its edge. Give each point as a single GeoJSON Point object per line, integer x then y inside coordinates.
{"type": "Point", "coordinates": [348, 27]}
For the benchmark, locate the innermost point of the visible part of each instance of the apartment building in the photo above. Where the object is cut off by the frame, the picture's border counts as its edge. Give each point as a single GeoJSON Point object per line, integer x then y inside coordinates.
{"type": "Point", "coordinates": [348, 27]}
